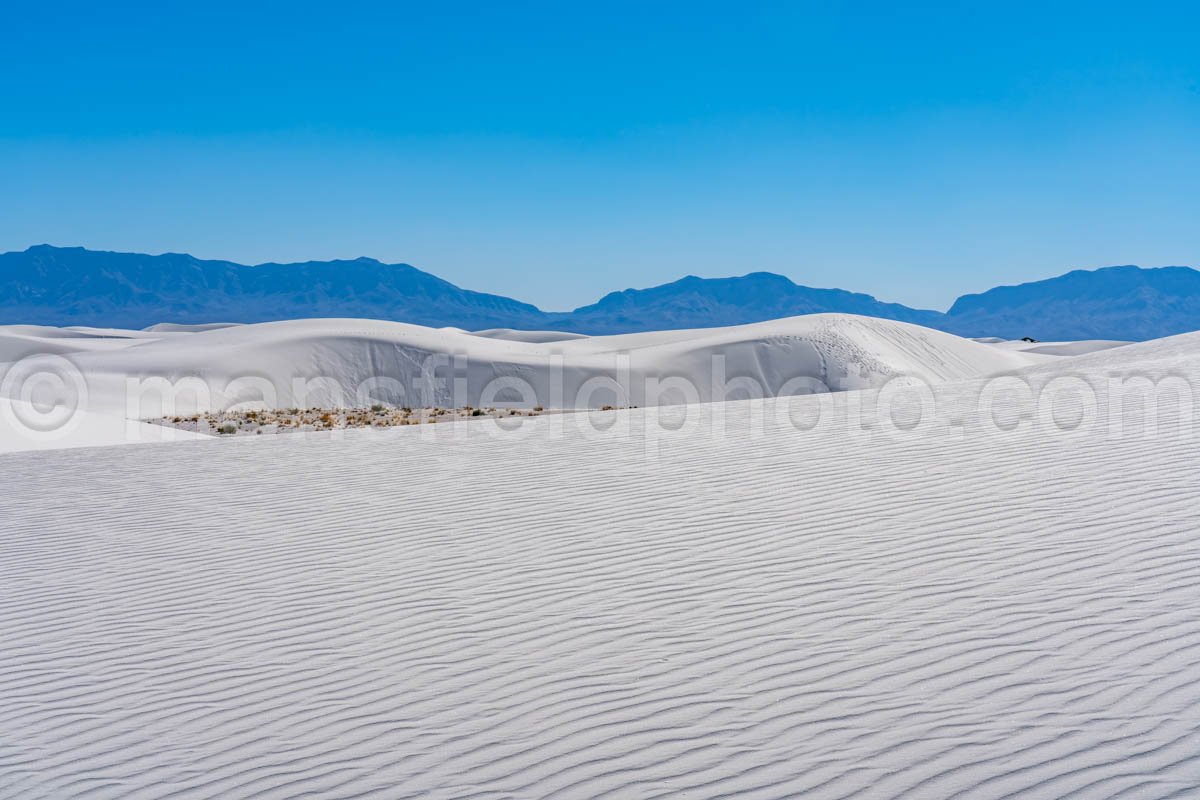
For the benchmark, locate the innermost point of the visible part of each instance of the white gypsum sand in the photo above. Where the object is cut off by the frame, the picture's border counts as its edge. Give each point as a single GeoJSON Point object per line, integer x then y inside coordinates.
{"type": "Point", "coordinates": [849, 610]}
{"type": "Point", "coordinates": [357, 363]}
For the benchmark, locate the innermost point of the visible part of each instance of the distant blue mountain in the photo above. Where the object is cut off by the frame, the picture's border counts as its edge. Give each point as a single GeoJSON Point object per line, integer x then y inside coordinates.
{"type": "Point", "coordinates": [74, 286]}
{"type": "Point", "coordinates": [1128, 303]}
{"type": "Point", "coordinates": [693, 302]}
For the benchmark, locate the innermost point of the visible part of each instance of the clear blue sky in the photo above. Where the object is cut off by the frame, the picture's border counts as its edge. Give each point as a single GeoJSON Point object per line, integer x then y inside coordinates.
{"type": "Point", "coordinates": [554, 152]}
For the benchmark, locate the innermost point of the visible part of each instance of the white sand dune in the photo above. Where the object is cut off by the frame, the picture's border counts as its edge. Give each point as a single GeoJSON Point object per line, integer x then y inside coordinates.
{"type": "Point", "coordinates": [338, 362]}
{"type": "Point", "coordinates": [85, 429]}
{"type": "Point", "coordinates": [839, 351]}
{"type": "Point", "coordinates": [1080, 348]}
{"type": "Point", "coordinates": [177, 327]}
{"type": "Point", "coordinates": [537, 337]}
{"type": "Point", "coordinates": [21, 341]}
{"type": "Point", "coordinates": [1157, 357]}
{"type": "Point", "coordinates": [827, 613]}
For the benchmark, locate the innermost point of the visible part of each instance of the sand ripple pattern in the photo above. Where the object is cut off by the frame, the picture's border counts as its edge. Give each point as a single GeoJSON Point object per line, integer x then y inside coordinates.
{"type": "Point", "coordinates": [792, 615]}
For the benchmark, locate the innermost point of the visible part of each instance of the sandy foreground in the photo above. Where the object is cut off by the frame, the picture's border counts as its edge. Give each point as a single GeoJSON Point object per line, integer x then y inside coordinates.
{"type": "Point", "coordinates": [985, 606]}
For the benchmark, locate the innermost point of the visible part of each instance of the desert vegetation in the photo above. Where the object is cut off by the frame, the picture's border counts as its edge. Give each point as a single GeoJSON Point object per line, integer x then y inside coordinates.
{"type": "Point", "coordinates": [269, 421]}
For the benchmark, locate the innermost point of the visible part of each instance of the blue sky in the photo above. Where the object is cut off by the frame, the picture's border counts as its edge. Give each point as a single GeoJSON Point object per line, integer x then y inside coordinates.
{"type": "Point", "coordinates": [554, 152]}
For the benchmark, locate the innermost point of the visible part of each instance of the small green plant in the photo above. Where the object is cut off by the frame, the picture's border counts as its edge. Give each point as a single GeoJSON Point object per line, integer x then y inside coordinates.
{"type": "Point", "coordinates": [377, 407]}
{"type": "Point", "coordinates": [227, 428]}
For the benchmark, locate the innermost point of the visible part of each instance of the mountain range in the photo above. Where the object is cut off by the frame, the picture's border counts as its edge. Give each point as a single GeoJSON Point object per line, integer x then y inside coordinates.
{"type": "Point", "coordinates": [75, 286]}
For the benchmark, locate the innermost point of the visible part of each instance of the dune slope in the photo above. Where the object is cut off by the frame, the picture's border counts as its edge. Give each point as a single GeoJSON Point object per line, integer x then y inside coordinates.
{"type": "Point", "coordinates": [824, 613]}
{"type": "Point", "coordinates": [338, 356]}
